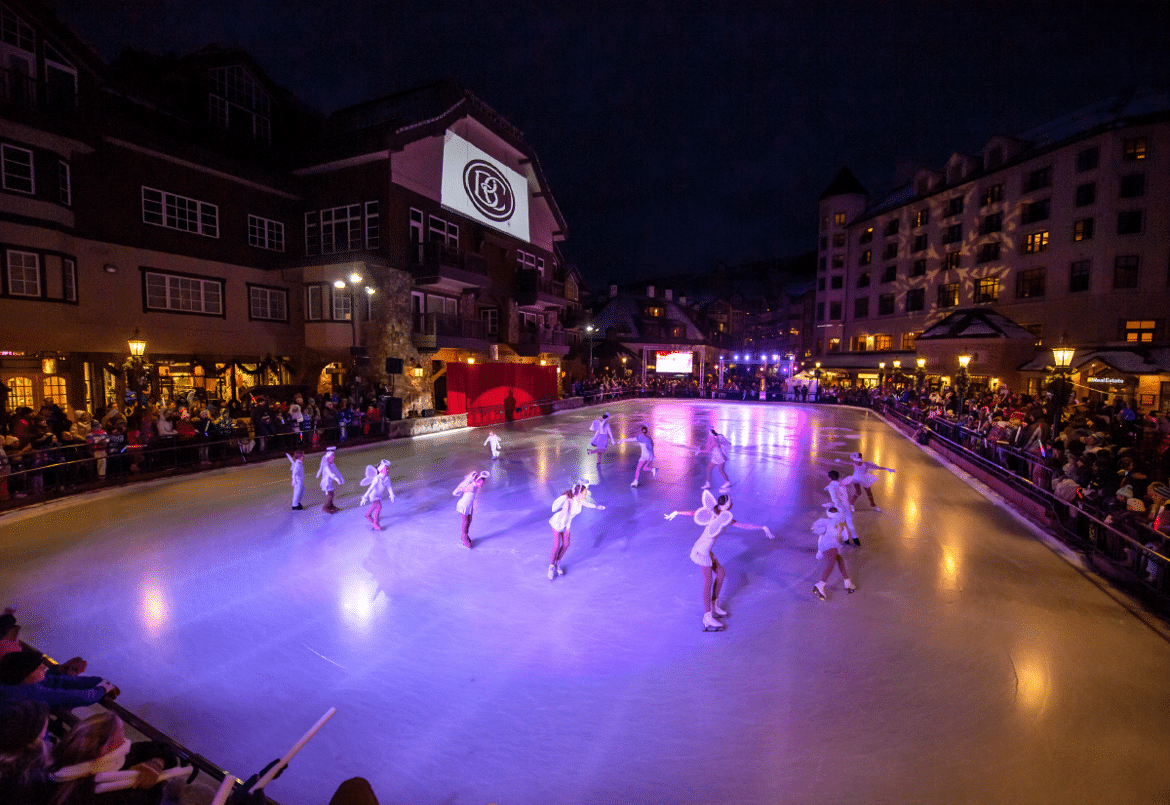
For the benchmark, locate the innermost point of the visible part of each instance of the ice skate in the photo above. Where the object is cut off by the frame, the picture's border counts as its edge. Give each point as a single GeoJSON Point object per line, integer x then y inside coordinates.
{"type": "Point", "coordinates": [298, 508]}
{"type": "Point", "coordinates": [819, 590]}
{"type": "Point", "coordinates": [768, 531]}
{"type": "Point", "coordinates": [634, 483]}
{"type": "Point", "coordinates": [717, 610]}
{"type": "Point", "coordinates": [725, 487]}
{"type": "Point", "coordinates": [849, 587]}
{"type": "Point", "coordinates": [375, 527]}
{"type": "Point", "coordinates": [710, 624]}
{"type": "Point", "coordinates": [706, 485]}
{"type": "Point", "coordinates": [654, 470]}
{"type": "Point", "coordinates": [552, 572]}
{"type": "Point", "coordinates": [857, 542]}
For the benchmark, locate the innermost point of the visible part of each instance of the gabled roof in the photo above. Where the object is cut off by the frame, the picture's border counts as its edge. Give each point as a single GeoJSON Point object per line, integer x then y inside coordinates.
{"type": "Point", "coordinates": [975, 323]}
{"type": "Point", "coordinates": [1130, 361]}
{"type": "Point", "coordinates": [624, 313]}
{"type": "Point", "coordinates": [843, 184]}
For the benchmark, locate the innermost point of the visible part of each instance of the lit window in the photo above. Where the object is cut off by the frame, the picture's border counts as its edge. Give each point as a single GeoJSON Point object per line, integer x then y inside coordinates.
{"type": "Point", "coordinates": [1134, 149]}
{"type": "Point", "coordinates": [1140, 331]}
{"type": "Point", "coordinates": [987, 290]}
{"type": "Point", "coordinates": [1083, 229]}
{"type": "Point", "coordinates": [1035, 243]}
{"type": "Point", "coordinates": [54, 389]}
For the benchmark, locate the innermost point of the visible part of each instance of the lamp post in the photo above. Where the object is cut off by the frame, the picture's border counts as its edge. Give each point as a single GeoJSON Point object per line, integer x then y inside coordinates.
{"type": "Point", "coordinates": [882, 375]}
{"type": "Point", "coordinates": [1062, 358]}
{"type": "Point", "coordinates": [920, 374]}
{"type": "Point", "coordinates": [962, 380]}
{"type": "Point", "coordinates": [589, 330]}
{"type": "Point", "coordinates": [353, 283]}
{"type": "Point", "coordinates": [897, 374]}
{"type": "Point", "coordinates": [135, 365]}
{"type": "Point", "coordinates": [817, 377]}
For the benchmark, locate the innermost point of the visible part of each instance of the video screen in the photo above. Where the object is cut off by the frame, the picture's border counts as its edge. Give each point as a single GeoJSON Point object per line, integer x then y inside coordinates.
{"type": "Point", "coordinates": [674, 363]}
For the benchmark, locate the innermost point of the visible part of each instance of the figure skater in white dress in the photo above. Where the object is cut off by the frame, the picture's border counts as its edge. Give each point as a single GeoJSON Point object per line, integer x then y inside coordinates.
{"type": "Point", "coordinates": [646, 458]}
{"type": "Point", "coordinates": [601, 438]}
{"type": "Point", "coordinates": [567, 506]}
{"type": "Point", "coordinates": [839, 496]}
{"type": "Point", "coordinates": [831, 535]}
{"type": "Point", "coordinates": [715, 517]}
{"type": "Point", "coordinates": [863, 478]}
{"type": "Point", "coordinates": [493, 440]}
{"type": "Point", "coordinates": [330, 478]}
{"type": "Point", "coordinates": [468, 489]}
{"type": "Point", "coordinates": [378, 481]}
{"type": "Point", "coordinates": [718, 446]}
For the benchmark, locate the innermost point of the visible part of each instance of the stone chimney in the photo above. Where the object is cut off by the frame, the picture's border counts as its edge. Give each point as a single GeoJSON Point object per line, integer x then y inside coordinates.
{"type": "Point", "coordinates": [650, 291]}
{"type": "Point", "coordinates": [612, 291]}
{"type": "Point", "coordinates": [669, 295]}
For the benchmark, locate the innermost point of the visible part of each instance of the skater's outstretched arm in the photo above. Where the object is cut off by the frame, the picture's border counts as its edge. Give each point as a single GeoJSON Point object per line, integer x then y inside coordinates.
{"type": "Point", "coordinates": [674, 514]}
{"type": "Point", "coordinates": [750, 527]}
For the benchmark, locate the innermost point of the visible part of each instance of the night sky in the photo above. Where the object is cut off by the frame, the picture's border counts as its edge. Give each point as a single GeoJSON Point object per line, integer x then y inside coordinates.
{"type": "Point", "coordinates": [678, 135]}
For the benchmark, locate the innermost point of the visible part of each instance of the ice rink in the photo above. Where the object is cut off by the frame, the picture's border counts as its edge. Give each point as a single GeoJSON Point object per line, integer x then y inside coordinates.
{"type": "Point", "coordinates": [975, 664]}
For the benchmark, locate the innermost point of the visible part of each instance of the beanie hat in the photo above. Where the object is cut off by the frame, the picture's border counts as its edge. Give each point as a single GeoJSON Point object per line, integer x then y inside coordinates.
{"type": "Point", "coordinates": [1125, 491]}
{"type": "Point", "coordinates": [1135, 505]}
{"type": "Point", "coordinates": [15, 667]}
{"type": "Point", "coordinates": [21, 724]}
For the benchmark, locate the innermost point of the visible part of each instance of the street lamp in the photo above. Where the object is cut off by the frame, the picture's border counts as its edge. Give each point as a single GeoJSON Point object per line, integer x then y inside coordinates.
{"type": "Point", "coordinates": [589, 330]}
{"type": "Point", "coordinates": [355, 280]}
{"type": "Point", "coordinates": [134, 366]}
{"type": "Point", "coordinates": [897, 373]}
{"type": "Point", "coordinates": [881, 374]}
{"type": "Point", "coordinates": [817, 377]}
{"type": "Point", "coordinates": [962, 381]}
{"type": "Point", "coordinates": [1062, 356]}
{"type": "Point", "coordinates": [920, 375]}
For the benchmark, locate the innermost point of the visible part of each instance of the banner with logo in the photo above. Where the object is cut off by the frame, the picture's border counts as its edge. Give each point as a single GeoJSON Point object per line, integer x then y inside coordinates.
{"type": "Point", "coordinates": [483, 188]}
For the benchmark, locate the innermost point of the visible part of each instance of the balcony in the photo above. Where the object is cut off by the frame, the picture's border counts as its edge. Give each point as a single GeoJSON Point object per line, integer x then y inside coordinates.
{"type": "Point", "coordinates": [447, 268]}
{"type": "Point", "coordinates": [533, 290]}
{"type": "Point", "coordinates": [554, 342]}
{"type": "Point", "coordinates": [24, 99]}
{"type": "Point", "coordinates": [434, 331]}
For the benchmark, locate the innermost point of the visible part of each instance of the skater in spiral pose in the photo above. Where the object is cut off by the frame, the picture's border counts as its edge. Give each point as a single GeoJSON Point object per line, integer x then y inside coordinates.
{"type": "Point", "coordinates": [831, 535]}
{"type": "Point", "coordinates": [863, 478]}
{"type": "Point", "coordinates": [378, 481]}
{"type": "Point", "coordinates": [567, 506]}
{"type": "Point", "coordinates": [468, 489]}
{"type": "Point", "coordinates": [297, 469]}
{"type": "Point", "coordinates": [839, 497]}
{"type": "Point", "coordinates": [647, 456]}
{"type": "Point", "coordinates": [715, 517]}
{"type": "Point", "coordinates": [718, 446]}
{"type": "Point", "coordinates": [330, 476]}
{"type": "Point", "coordinates": [494, 441]}
{"type": "Point", "coordinates": [601, 438]}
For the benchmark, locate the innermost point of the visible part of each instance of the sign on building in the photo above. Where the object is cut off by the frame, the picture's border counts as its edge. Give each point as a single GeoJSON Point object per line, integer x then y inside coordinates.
{"type": "Point", "coordinates": [483, 189]}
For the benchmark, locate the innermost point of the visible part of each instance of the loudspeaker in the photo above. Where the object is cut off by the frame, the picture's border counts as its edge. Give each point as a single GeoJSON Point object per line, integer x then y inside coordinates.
{"type": "Point", "coordinates": [394, 408]}
{"type": "Point", "coordinates": [394, 366]}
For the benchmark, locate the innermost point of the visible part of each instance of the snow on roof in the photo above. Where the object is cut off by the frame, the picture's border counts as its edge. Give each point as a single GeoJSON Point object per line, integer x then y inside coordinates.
{"type": "Point", "coordinates": [975, 323]}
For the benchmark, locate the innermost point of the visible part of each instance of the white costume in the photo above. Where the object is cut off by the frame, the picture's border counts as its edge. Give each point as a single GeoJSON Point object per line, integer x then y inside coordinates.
{"type": "Point", "coordinates": [298, 480]}
{"type": "Point", "coordinates": [603, 435]}
{"type": "Point", "coordinates": [494, 441]}
{"type": "Point", "coordinates": [829, 532]}
{"type": "Point", "coordinates": [378, 483]}
{"type": "Point", "coordinates": [862, 475]}
{"type": "Point", "coordinates": [467, 489]}
{"type": "Point", "coordinates": [718, 446]}
{"type": "Point", "coordinates": [647, 445]}
{"type": "Point", "coordinates": [714, 525]}
{"type": "Point", "coordinates": [328, 472]}
{"type": "Point", "coordinates": [839, 496]}
{"type": "Point", "coordinates": [565, 509]}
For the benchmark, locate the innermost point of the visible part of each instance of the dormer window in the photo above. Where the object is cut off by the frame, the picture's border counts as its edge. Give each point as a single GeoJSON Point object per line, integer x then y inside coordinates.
{"type": "Point", "coordinates": [239, 104]}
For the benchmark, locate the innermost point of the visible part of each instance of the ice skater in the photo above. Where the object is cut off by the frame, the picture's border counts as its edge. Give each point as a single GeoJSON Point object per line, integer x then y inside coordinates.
{"type": "Point", "coordinates": [646, 458]}
{"type": "Point", "coordinates": [718, 446]}
{"type": "Point", "coordinates": [601, 438]}
{"type": "Point", "coordinates": [494, 441]}
{"type": "Point", "coordinates": [831, 535]}
{"type": "Point", "coordinates": [330, 478]}
{"type": "Point", "coordinates": [378, 481]}
{"type": "Point", "coordinates": [863, 478]}
{"type": "Point", "coordinates": [297, 469]}
{"type": "Point", "coordinates": [715, 517]}
{"type": "Point", "coordinates": [839, 496]}
{"type": "Point", "coordinates": [567, 506]}
{"type": "Point", "coordinates": [468, 488]}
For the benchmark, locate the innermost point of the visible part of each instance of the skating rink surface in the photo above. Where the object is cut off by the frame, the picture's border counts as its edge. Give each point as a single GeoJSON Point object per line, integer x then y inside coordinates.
{"type": "Point", "coordinates": [975, 664]}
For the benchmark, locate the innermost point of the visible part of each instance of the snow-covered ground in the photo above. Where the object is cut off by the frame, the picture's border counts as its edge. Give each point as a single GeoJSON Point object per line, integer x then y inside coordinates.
{"type": "Point", "coordinates": [974, 665]}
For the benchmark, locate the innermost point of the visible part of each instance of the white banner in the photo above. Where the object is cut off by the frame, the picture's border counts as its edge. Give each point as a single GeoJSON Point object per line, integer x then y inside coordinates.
{"type": "Point", "coordinates": [484, 189]}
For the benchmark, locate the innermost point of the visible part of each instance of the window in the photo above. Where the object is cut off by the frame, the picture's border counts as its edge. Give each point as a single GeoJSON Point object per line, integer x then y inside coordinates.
{"type": "Point", "coordinates": [863, 280]}
{"type": "Point", "coordinates": [867, 235]}
{"type": "Point", "coordinates": [1036, 211]}
{"type": "Point", "coordinates": [915, 300]}
{"type": "Point", "coordinates": [987, 290]}
{"type": "Point", "coordinates": [991, 223]}
{"type": "Point", "coordinates": [1133, 185]}
{"type": "Point", "coordinates": [918, 269]}
{"type": "Point", "coordinates": [955, 206]}
{"type": "Point", "coordinates": [886, 304]}
{"type": "Point", "coordinates": [344, 229]}
{"type": "Point", "coordinates": [1083, 229]}
{"type": "Point", "coordinates": [953, 233]}
{"type": "Point", "coordinates": [1088, 159]}
{"type": "Point", "coordinates": [178, 212]}
{"type": "Point", "coordinates": [839, 218]}
{"type": "Point", "coordinates": [1139, 332]}
{"type": "Point", "coordinates": [861, 307]}
{"type": "Point", "coordinates": [24, 273]}
{"type": "Point", "coordinates": [342, 304]}
{"type": "Point", "coordinates": [18, 169]}
{"type": "Point", "coordinates": [839, 239]}
{"type": "Point", "coordinates": [859, 343]}
{"type": "Point", "coordinates": [948, 294]}
{"type": "Point", "coordinates": [834, 345]}
{"type": "Point", "coordinates": [922, 217]}
{"type": "Point", "coordinates": [238, 103]}
{"type": "Point", "coordinates": [19, 392]}
{"type": "Point", "coordinates": [416, 226]}
{"type": "Point", "coordinates": [908, 341]}
{"type": "Point", "coordinates": [265, 234]}
{"type": "Point", "coordinates": [53, 387]}
{"type": "Point", "coordinates": [1125, 271]}
{"type": "Point", "coordinates": [837, 283]}
{"type": "Point", "coordinates": [1133, 149]}
{"type": "Point", "coordinates": [1041, 177]}
{"type": "Point", "coordinates": [68, 279]}
{"type": "Point", "coordinates": [64, 185]}
{"type": "Point", "coordinates": [1086, 194]}
{"type": "Point", "coordinates": [491, 321]}
{"type": "Point", "coordinates": [268, 304]}
{"type": "Point", "coordinates": [838, 261]}
{"type": "Point", "coordinates": [529, 261]}
{"type": "Point", "coordinates": [1030, 284]}
{"type": "Point", "coordinates": [824, 242]}
{"type": "Point", "coordinates": [988, 252]}
{"type": "Point", "coordinates": [991, 194]}
{"type": "Point", "coordinates": [313, 295]}
{"type": "Point", "coordinates": [866, 258]}
{"type": "Point", "coordinates": [373, 225]}
{"type": "Point", "coordinates": [889, 274]}
{"type": "Point", "coordinates": [834, 311]}
{"type": "Point", "coordinates": [1035, 243]}
{"type": "Point", "coordinates": [891, 251]}
{"type": "Point", "coordinates": [950, 261]}
{"type": "Point", "coordinates": [919, 243]}
{"type": "Point", "coordinates": [1129, 222]}
{"type": "Point", "coordinates": [883, 342]}
{"type": "Point", "coordinates": [1078, 276]}
{"type": "Point", "coordinates": [892, 227]}
{"type": "Point", "coordinates": [821, 284]}
{"type": "Point", "coordinates": [180, 294]}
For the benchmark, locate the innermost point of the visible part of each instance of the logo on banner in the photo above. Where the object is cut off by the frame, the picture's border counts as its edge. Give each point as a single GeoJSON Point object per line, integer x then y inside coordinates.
{"type": "Point", "coordinates": [488, 190]}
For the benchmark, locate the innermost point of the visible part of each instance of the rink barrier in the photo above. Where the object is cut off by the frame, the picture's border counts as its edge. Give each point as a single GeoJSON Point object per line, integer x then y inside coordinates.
{"type": "Point", "coordinates": [1127, 559]}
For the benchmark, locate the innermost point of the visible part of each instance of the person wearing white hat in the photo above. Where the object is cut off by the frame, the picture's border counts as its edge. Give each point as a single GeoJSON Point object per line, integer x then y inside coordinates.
{"type": "Point", "coordinates": [378, 481]}
{"type": "Point", "coordinates": [493, 440]}
{"type": "Point", "coordinates": [468, 489]}
{"type": "Point", "coordinates": [863, 478]}
{"type": "Point", "coordinates": [715, 517]}
{"type": "Point", "coordinates": [831, 535]}
{"type": "Point", "coordinates": [567, 506]}
{"type": "Point", "coordinates": [330, 476]}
